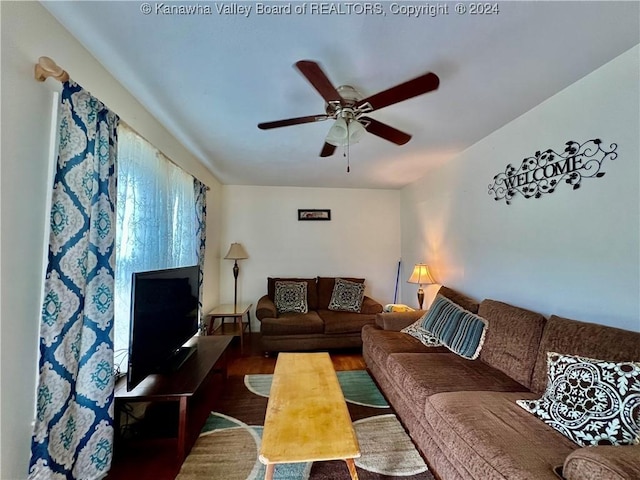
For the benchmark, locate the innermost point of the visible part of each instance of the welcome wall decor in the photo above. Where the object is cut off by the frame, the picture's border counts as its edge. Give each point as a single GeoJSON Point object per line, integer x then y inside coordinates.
{"type": "Point", "coordinates": [542, 173]}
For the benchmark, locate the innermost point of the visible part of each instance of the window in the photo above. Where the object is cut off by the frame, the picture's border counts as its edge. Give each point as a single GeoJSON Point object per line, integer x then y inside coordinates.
{"type": "Point", "coordinates": [156, 223]}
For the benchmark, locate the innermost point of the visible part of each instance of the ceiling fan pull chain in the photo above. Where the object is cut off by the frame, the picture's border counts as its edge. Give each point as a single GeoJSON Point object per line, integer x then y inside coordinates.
{"type": "Point", "coordinates": [348, 145]}
{"type": "Point", "coordinates": [345, 154]}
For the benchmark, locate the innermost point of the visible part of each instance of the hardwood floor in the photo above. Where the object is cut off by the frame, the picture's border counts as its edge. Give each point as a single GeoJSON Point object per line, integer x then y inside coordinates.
{"type": "Point", "coordinates": [153, 456]}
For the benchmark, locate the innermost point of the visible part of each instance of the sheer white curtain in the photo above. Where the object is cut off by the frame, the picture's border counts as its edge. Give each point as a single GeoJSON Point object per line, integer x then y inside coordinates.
{"type": "Point", "coordinates": [156, 226]}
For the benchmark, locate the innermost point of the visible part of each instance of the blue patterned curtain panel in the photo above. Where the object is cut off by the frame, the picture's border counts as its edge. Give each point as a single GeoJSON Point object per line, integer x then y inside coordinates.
{"type": "Point", "coordinates": [73, 433]}
{"type": "Point", "coordinates": [200, 193]}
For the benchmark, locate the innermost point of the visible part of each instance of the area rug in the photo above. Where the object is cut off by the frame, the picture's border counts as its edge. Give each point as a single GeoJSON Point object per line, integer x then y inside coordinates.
{"type": "Point", "coordinates": [230, 440]}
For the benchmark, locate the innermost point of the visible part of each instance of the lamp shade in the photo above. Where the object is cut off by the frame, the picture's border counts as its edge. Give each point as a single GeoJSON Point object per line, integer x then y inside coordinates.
{"type": "Point", "coordinates": [236, 252]}
{"type": "Point", "coordinates": [421, 275]}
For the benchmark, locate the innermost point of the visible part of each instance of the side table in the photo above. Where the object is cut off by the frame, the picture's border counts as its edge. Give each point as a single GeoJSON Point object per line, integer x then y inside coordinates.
{"type": "Point", "coordinates": [237, 327]}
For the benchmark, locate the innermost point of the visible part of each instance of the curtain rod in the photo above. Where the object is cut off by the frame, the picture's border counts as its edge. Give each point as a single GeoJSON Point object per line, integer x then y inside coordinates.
{"type": "Point", "coordinates": [46, 68]}
{"type": "Point", "coordinates": [124, 124]}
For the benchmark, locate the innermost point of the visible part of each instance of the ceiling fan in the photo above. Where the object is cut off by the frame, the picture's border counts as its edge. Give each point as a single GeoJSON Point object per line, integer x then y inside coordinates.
{"type": "Point", "coordinates": [349, 110]}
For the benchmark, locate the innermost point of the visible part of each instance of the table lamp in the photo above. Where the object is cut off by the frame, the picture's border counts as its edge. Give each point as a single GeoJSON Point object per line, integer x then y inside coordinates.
{"type": "Point", "coordinates": [422, 276]}
{"type": "Point", "coordinates": [236, 252]}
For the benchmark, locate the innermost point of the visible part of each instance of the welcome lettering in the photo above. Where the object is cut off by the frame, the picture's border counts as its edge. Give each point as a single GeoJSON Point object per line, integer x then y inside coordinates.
{"type": "Point", "coordinates": [543, 172]}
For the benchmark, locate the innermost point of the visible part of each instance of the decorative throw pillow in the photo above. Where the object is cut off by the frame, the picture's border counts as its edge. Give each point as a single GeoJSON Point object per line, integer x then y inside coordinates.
{"type": "Point", "coordinates": [592, 402]}
{"type": "Point", "coordinates": [347, 296]}
{"type": "Point", "coordinates": [460, 331]}
{"type": "Point", "coordinates": [416, 331]}
{"type": "Point", "coordinates": [291, 297]}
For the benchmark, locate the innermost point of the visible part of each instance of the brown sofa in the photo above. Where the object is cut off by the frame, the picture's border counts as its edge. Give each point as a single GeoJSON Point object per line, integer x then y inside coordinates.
{"type": "Point", "coordinates": [319, 328]}
{"type": "Point", "coordinates": [462, 414]}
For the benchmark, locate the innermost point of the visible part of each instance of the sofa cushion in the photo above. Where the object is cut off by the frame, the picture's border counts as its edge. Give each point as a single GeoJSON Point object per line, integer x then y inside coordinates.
{"type": "Point", "coordinates": [292, 323]}
{"type": "Point", "coordinates": [291, 297]}
{"type": "Point", "coordinates": [381, 343]}
{"type": "Point", "coordinates": [396, 321]}
{"type": "Point", "coordinates": [325, 289]}
{"type": "Point", "coordinates": [423, 374]}
{"type": "Point", "coordinates": [370, 306]}
{"type": "Point", "coordinates": [344, 322]}
{"type": "Point", "coordinates": [459, 330]}
{"type": "Point", "coordinates": [493, 437]}
{"type": "Point", "coordinates": [592, 402]}
{"type": "Point", "coordinates": [512, 341]}
{"type": "Point", "coordinates": [312, 289]}
{"type": "Point", "coordinates": [265, 308]}
{"type": "Point", "coordinates": [596, 463]}
{"type": "Point", "coordinates": [572, 337]}
{"type": "Point", "coordinates": [347, 296]}
{"type": "Point", "coordinates": [461, 299]}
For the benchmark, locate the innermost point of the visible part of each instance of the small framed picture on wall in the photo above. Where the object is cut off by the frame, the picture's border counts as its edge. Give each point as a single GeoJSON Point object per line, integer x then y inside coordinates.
{"type": "Point", "coordinates": [314, 214]}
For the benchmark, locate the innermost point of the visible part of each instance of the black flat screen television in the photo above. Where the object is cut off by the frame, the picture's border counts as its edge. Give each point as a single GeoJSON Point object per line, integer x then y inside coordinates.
{"type": "Point", "coordinates": [164, 316]}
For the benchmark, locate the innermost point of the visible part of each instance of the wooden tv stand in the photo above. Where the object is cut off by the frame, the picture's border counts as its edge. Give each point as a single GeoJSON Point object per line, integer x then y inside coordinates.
{"type": "Point", "coordinates": [180, 386]}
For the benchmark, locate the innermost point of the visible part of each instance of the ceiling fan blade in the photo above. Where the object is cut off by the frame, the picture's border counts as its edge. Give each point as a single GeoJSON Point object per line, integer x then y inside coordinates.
{"type": "Point", "coordinates": [292, 121]}
{"type": "Point", "coordinates": [327, 150]}
{"type": "Point", "coordinates": [383, 130]}
{"type": "Point", "coordinates": [404, 91]}
{"type": "Point", "coordinates": [312, 72]}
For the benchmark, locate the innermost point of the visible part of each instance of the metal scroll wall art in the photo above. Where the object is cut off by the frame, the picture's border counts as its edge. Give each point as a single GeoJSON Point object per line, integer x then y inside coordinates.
{"type": "Point", "coordinates": [542, 173]}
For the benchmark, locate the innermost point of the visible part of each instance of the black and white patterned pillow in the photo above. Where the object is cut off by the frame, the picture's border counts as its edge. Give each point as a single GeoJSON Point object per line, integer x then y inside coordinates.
{"type": "Point", "coordinates": [347, 296]}
{"type": "Point", "coordinates": [426, 337]}
{"type": "Point", "coordinates": [291, 297]}
{"type": "Point", "coordinates": [592, 402]}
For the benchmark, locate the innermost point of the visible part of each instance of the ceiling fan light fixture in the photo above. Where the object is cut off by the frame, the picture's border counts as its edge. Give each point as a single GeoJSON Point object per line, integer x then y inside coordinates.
{"type": "Point", "coordinates": [356, 131]}
{"type": "Point", "coordinates": [345, 132]}
{"type": "Point", "coordinates": [338, 133]}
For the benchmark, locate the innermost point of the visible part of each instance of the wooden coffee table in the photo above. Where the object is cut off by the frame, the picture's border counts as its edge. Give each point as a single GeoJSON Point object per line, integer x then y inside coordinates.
{"type": "Point", "coordinates": [307, 419]}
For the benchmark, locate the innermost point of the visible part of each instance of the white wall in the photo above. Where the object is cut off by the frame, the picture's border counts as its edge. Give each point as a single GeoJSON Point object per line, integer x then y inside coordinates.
{"type": "Point", "coordinates": [362, 239]}
{"type": "Point", "coordinates": [28, 32]}
{"type": "Point", "coordinates": [573, 253]}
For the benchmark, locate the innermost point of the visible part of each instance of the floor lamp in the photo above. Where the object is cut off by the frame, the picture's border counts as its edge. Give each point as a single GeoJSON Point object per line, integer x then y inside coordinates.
{"type": "Point", "coordinates": [422, 276]}
{"type": "Point", "coordinates": [236, 252]}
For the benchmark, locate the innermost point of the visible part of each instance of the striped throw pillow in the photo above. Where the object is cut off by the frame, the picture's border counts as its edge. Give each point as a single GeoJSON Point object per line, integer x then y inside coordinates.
{"type": "Point", "coordinates": [460, 331]}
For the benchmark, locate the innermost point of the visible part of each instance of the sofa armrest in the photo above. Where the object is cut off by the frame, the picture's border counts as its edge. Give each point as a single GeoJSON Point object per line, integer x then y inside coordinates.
{"type": "Point", "coordinates": [396, 321]}
{"type": "Point", "coordinates": [612, 463]}
{"type": "Point", "coordinates": [266, 308]}
{"type": "Point", "coordinates": [370, 306]}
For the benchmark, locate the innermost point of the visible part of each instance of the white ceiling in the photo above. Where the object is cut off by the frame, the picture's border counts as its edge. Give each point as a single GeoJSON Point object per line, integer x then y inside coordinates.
{"type": "Point", "coordinates": [210, 79]}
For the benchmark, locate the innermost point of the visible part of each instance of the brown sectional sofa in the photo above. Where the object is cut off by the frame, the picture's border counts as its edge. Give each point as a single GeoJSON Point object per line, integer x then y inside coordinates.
{"type": "Point", "coordinates": [462, 414]}
{"type": "Point", "coordinates": [319, 328]}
